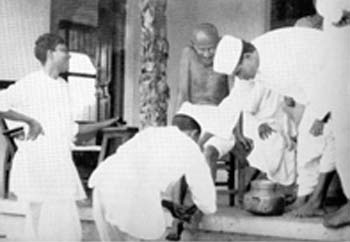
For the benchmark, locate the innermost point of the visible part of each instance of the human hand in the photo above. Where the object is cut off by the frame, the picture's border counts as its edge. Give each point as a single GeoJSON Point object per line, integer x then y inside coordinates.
{"type": "Point", "coordinates": [317, 128]}
{"type": "Point", "coordinates": [117, 121]}
{"type": "Point", "coordinates": [265, 131]}
{"type": "Point", "coordinates": [289, 101]}
{"type": "Point", "coordinates": [35, 129]}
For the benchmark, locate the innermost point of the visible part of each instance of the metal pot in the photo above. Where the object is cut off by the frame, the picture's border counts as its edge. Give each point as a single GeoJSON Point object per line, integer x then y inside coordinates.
{"type": "Point", "coordinates": [263, 198]}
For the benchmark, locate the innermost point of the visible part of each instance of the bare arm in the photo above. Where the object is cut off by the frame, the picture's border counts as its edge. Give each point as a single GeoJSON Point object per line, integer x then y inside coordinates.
{"type": "Point", "coordinates": [238, 133]}
{"type": "Point", "coordinates": [203, 139]}
{"type": "Point", "coordinates": [35, 128]}
{"type": "Point", "coordinates": [184, 78]}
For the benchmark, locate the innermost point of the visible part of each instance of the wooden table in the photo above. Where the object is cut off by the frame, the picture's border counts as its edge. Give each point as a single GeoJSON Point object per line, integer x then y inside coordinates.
{"type": "Point", "coordinates": [113, 137]}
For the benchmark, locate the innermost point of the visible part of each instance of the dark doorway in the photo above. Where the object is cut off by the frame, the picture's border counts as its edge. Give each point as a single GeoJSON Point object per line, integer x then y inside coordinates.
{"type": "Point", "coordinates": [287, 12]}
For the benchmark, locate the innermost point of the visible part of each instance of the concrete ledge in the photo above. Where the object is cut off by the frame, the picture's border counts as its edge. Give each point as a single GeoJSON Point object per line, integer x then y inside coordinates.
{"type": "Point", "coordinates": [234, 220]}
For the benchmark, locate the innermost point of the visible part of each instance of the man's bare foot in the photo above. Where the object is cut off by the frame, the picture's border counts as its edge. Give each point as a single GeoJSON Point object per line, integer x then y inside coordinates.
{"type": "Point", "coordinates": [338, 219]}
{"type": "Point", "coordinates": [309, 209]}
{"type": "Point", "coordinates": [299, 202]}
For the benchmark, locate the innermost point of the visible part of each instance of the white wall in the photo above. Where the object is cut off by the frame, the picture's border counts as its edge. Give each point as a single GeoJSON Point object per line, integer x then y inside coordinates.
{"type": "Point", "coordinates": [21, 22]}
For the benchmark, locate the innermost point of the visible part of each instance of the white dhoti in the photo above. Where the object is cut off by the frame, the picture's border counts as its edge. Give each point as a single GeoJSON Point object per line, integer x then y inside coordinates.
{"type": "Point", "coordinates": [343, 163]}
{"type": "Point", "coordinates": [274, 155]}
{"type": "Point", "coordinates": [52, 220]}
{"type": "Point", "coordinates": [315, 155]}
{"type": "Point", "coordinates": [271, 155]}
{"type": "Point", "coordinates": [338, 71]}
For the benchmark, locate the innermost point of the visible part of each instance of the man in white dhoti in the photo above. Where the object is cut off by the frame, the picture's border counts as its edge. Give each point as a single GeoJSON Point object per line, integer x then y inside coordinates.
{"type": "Point", "coordinates": [130, 184]}
{"type": "Point", "coordinates": [43, 175]}
{"type": "Point", "coordinates": [316, 140]}
{"type": "Point", "coordinates": [337, 34]}
{"type": "Point", "coordinates": [315, 155]}
{"type": "Point", "coordinates": [264, 118]}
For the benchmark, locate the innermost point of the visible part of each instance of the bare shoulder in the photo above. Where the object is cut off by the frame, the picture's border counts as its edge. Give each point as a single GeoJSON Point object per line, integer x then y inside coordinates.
{"type": "Point", "coordinates": [188, 52]}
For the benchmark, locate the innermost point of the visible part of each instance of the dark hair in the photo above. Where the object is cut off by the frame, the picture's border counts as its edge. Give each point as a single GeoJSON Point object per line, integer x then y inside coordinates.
{"type": "Point", "coordinates": [44, 43]}
{"type": "Point", "coordinates": [185, 122]}
{"type": "Point", "coordinates": [247, 48]}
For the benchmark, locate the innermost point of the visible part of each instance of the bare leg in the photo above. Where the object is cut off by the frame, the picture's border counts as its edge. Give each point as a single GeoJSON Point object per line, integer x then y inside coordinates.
{"type": "Point", "coordinates": [315, 205]}
{"type": "Point", "coordinates": [300, 201]}
{"type": "Point", "coordinates": [338, 219]}
{"type": "Point", "coordinates": [211, 155]}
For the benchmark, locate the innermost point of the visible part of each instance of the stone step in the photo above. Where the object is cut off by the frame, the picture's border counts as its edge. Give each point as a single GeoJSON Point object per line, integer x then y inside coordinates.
{"type": "Point", "coordinates": [234, 220]}
{"type": "Point", "coordinates": [228, 221]}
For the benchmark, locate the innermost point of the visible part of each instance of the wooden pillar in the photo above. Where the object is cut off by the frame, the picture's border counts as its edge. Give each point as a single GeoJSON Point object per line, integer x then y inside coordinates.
{"type": "Point", "coordinates": [153, 87]}
{"type": "Point", "coordinates": [104, 53]}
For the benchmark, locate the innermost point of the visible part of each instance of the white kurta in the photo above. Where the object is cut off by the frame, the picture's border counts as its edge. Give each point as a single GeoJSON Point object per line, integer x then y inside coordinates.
{"type": "Point", "coordinates": [130, 182]}
{"type": "Point", "coordinates": [274, 155]}
{"type": "Point", "coordinates": [259, 105]}
{"type": "Point", "coordinates": [295, 69]}
{"type": "Point", "coordinates": [291, 60]}
{"type": "Point", "coordinates": [43, 169]}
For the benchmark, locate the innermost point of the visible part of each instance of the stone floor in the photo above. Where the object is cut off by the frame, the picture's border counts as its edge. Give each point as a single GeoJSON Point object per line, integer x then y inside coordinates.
{"type": "Point", "coordinates": [228, 224]}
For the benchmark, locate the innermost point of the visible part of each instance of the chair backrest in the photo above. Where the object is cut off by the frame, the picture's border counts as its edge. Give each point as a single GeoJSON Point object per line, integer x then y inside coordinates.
{"type": "Point", "coordinates": [7, 150]}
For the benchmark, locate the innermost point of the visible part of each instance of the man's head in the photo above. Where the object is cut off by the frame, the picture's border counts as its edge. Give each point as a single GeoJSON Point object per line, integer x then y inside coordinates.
{"type": "Point", "coordinates": [50, 49]}
{"type": "Point", "coordinates": [204, 40]}
{"type": "Point", "coordinates": [236, 57]}
{"type": "Point", "coordinates": [187, 125]}
{"type": "Point", "coordinates": [335, 12]}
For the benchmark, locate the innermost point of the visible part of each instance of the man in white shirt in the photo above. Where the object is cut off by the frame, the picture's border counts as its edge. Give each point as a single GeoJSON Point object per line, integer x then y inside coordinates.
{"type": "Point", "coordinates": [130, 184]}
{"type": "Point", "coordinates": [264, 118]}
{"type": "Point", "coordinates": [43, 174]}
{"type": "Point", "coordinates": [336, 15]}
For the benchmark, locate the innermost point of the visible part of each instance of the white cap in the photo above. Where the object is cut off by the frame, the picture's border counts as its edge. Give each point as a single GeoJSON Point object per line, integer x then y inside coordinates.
{"type": "Point", "coordinates": [331, 10]}
{"type": "Point", "coordinates": [227, 54]}
{"type": "Point", "coordinates": [190, 110]}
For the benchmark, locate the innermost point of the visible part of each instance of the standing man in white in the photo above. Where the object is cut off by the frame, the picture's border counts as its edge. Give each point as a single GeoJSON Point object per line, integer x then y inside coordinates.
{"type": "Point", "coordinates": [336, 15]}
{"type": "Point", "coordinates": [43, 175]}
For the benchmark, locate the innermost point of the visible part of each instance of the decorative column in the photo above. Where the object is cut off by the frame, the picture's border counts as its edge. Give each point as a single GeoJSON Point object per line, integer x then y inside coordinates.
{"type": "Point", "coordinates": [104, 52]}
{"type": "Point", "coordinates": [103, 78]}
{"type": "Point", "coordinates": [153, 88]}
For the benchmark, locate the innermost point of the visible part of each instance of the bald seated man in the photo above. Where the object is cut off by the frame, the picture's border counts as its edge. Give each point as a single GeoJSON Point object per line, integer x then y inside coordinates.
{"type": "Point", "coordinates": [200, 85]}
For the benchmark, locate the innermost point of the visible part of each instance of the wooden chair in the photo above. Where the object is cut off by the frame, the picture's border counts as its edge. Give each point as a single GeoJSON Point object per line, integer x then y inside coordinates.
{"type": "Point", "coordinates": [113, 137]}
{"type": "Point", "coordinates": [7, 150]}
{"type": "Point", "coordinates": [234, 164]}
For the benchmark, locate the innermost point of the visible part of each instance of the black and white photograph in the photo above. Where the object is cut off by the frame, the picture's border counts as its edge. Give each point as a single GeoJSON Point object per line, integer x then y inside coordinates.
{"type": "Point", "coordinates": [174, 120]}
